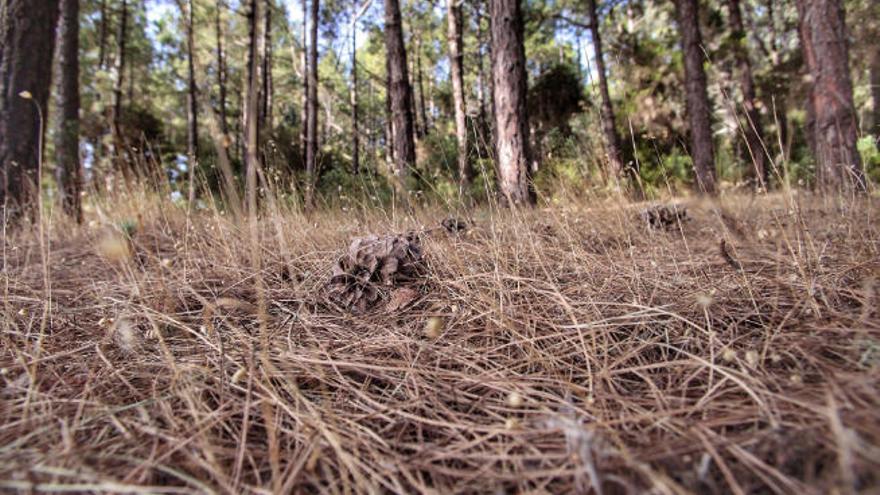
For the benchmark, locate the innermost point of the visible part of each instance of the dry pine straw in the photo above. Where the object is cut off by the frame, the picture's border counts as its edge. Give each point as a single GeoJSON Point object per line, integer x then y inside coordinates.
{"type": "Point", "coordinates": [562, 350]}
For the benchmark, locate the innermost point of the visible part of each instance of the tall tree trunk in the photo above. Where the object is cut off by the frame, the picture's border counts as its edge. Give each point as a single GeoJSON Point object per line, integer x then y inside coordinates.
{"type": "Point", "coordinates": [221, 72]}
{"type": "Point", "coordinates": [355, 131]}
{"type": "Point", "coordinates": [482, 91]}
{"type": "Point", "coordinates": [266, 95]}
{"type": "Point", "coordinates": [875, 89]}
{"type": "Point", "coordinates": [426, 125]}
{"type": "Point", "coordinates": [511, 118]}
{"type": "Point", "coordinates": [102, 35]}
{"type": "Point", "coordinates": [609, 125]}
{"type": "Point", "coordinates": [116, 118]}
{"type": "Point", "coordinates": [256, 51]}
{"type": "Point", "coordinates": [312, 117]}
{"type": "Point", "coordinates": [304, 102]}
{"type": "Point", "coordinates": [754, 131]}
{"type": "Point", "coordinates": [389, 117]}
{"type": "Point", "coordinates": [400, 93]}
{"type": "Point", "coordinates": [455, 25]}
{"type": "Point", "coordinates": [68, 171]}
{"type": "Point", "coordinates": [27, 39]}
{"type": "Point", "coordinates": [823, 34]}
{"type": "Point", "coordinates": [192, 105]}
{"type": "Point", "coordinates": [698, 107]}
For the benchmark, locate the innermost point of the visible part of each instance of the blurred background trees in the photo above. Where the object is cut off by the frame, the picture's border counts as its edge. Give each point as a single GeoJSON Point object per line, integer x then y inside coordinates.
{"type": "Point", "coordinates": [342, 101]}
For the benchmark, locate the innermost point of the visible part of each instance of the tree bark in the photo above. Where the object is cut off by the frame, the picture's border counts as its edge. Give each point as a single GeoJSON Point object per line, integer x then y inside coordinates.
{"type": "Point", "coordinates": [698, 107]}
{"type": "Point", "coordinates": [27, 39]}
{"type": "Point", "coordinates": [400, 93]}
{"type": "Point", "coordinates": [312, 116]}
{"type": "Point", "coordinates": [221, 72]}
{"type": "Point", "coordinates": [455, 25]}
{"type": "Point", "coordinates": [823, 34]}
{"type": "Point", "coordinates": [751, 126]}
{"type": "Point", "coordinates": [68, 171]}
{"type": "Point", "coordinates": [511, 119]}
{"type": "Point", "coordinates": [256, 51]}
{"type": "Point", "coordinates": [609, 124]}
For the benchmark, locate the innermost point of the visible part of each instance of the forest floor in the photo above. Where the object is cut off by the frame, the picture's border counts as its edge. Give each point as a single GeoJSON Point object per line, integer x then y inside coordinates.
{"type": "Point", "coordinates": [564, 349]}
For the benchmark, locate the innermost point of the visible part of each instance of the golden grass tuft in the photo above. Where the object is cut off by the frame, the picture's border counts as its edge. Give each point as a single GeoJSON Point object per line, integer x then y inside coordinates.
{"type": "Point", "coordinates": [581, 351]}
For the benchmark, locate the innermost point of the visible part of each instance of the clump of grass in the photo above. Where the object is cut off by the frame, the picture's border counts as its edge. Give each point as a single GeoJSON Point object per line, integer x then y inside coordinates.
{"type": "Point", "coordinates": [580, 351]}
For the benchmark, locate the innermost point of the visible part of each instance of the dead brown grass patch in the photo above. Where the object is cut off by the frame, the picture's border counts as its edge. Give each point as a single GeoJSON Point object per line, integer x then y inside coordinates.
{"type": "Point", "coordinates": [571, 349]}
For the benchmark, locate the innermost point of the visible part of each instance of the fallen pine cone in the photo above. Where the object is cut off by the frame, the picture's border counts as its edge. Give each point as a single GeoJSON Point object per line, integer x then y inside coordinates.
{"type": "Point", "coordinates": [664, 216]}
{"type": "Point", "coordinates": [371, 264]}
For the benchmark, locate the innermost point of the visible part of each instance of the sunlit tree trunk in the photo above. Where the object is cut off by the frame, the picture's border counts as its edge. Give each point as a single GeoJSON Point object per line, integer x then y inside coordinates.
{"type": "Point", "coordinates": [400, 93]}
{"type": "Point", "coordinates": [751, 124]}
{"type": "Point", "coordinates": [699, 109]}
{"type": "Point", "coordinates": [823, 34]}
{"type": "Point", "coordinates": [27, 39]}
{"type": "Point", "coordinates": [511, 119]}
{"type": "Point", "coordinates": [456, 57]}
{"type": "Point", "coordinates": [312, 115]}
{"type": "Point", "coordinates": [68, 170]}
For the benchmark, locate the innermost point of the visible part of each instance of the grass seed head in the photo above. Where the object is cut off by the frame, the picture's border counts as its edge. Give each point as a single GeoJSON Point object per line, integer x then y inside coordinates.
{"type": "Point", "coordinates": [433, 327]}
{"type": "Point", "coordinates": [515, 399]}
{"type": "Point", "coordinates": [729, 355]}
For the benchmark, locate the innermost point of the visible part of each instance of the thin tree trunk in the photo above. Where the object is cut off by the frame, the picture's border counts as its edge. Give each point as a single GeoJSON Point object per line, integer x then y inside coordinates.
{"type": "Point", "coordinates": [455, 25]}
{"type": "Point", "coordinates": [304, 102]}
{"type": "Point", "coordinates": [875, 89]}
{"type": "Point", "coordinates": [698, 107]}
{"type": "Point", "coordinates": [252, 102]}
{"type": "Point", "coordinates": [312, 116]}
{"type": "Point", "coordinates": [426, 125]}
{"type": "Point", "coordinates": [609, 125]}
{"type": "Point", "coordinates": [192, 108]}
{"type": "Point", "coordinates": [823, 34]}
{"type": "Point", "coordinates": [266, 95]}
{"type": "Point", "coordinates": [27, 39]}
{"type": "Point", "coordinates": [102, 36]}
{"type": "Point", "coordinates": [482, 91]}
{"type": "Point", "coordinates": [511, 118]}
{"type": "Point", "coordinates": [389, 117]}
{"type": "Point", "coordinates": [221, 72]}
{"type": "Point", "coordinates": [116, 120]}
{"type": "Point", "coordinates": [68, 171]}
{"type": "Point", "coordinates": [400, 93]}
{"type": "Point", "coordinates": [754, 131]}
{"type": "Point", "coordinates": [355, 131]}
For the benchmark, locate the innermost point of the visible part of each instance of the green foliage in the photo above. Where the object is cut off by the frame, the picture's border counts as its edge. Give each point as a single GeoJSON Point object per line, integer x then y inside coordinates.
{"type": "Point", "coordinates": [870, 157]}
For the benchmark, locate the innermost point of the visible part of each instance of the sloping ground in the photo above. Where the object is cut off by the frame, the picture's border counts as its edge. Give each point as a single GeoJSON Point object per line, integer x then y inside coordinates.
{"type": "Point", "coordinates": [551, 351]}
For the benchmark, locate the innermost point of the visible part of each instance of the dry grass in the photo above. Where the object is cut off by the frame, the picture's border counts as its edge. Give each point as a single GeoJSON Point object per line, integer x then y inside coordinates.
{"type": "Point", "coordinates": [575, 351]}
